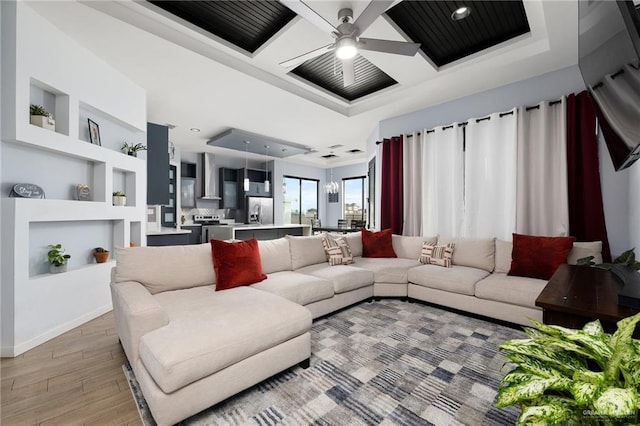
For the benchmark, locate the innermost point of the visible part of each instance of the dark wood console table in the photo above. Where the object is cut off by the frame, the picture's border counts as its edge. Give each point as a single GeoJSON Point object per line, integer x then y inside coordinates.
{"type": "Point", "coordinates": [576, 295]}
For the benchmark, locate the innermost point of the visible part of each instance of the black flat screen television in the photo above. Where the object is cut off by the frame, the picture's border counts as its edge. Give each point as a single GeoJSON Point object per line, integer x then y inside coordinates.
{"type": "Point", "coordinates": [609, 60]}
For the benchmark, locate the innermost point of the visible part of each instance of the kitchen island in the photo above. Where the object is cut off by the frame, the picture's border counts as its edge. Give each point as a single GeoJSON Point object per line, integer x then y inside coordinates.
{"type": "Point", "coordinates": [168, 236]}
{"type": "Point", "coordinates": [257, 231]}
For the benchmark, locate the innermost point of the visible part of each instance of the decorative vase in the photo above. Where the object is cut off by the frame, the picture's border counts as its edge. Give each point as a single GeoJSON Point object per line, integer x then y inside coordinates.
{"type": "Point", "coordinates": [43, 121]}
{"type": "Point", "coordinates": [119, 200]}
{"type": "Point", "coordinates": [101, 257]}
{"type": "Point", "coordinates": [133, 153]}
{"type": "Point", "coordinates": [57, 269]}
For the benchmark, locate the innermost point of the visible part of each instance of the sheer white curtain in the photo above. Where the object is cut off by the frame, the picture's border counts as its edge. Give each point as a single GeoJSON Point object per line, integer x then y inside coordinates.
{"type": "Point", "coordinates": [443, 181]}
{"type": "Point", "coordinates": [542, 195]}
{"type": "Point", "coordinates": [412, 184]}
{"type": "Point", "coordinates": [490, 177]}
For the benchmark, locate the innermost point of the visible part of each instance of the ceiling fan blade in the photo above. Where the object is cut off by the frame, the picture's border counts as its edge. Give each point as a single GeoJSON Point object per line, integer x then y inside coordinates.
{"type": "Point", "coordinates": [348, 72]}
{"type": "Point", "coordinates": [306, 56]}
{"type": "Point", "coordinates": [389, 46]}
{"type": "Point", "coordinates": [302, 9]}
{"type": "Point", "coordinates": [374, 9]}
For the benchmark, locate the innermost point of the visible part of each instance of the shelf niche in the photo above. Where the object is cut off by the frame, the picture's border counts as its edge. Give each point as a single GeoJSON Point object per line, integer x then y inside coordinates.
{"type": "Point", "coordinates": [54, 101]}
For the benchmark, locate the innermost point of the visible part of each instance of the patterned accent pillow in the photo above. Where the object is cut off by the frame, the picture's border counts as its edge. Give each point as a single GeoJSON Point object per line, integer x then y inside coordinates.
{"type": "Point", "coordinates": [337, 251]}
{"type": "Point", "coordinates": [437, 254]}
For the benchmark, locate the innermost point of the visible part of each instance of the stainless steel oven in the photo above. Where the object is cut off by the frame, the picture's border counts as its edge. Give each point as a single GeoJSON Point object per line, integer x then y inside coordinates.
{"type": "Point", "coordinates": [208, 223]}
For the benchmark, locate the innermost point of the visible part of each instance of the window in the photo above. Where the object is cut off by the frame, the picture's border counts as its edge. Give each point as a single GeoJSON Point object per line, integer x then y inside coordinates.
{"type": "Point", "coordinates": [353, 206]}
{"type": "Point", "coordinates": [300, 200]}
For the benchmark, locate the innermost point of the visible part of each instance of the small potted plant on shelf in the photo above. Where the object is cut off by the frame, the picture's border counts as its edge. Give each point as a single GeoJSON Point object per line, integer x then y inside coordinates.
{"type": "Point", "coordinates": [57, 258]}
{"type": "Point", "coordinates": [100, 254]}
{"type": "Point", "coordinates": [132, 149]}
{"type": "Point", "coordinates": [119, 199]}
{"type": "Point", "coordinates": [41, 117]}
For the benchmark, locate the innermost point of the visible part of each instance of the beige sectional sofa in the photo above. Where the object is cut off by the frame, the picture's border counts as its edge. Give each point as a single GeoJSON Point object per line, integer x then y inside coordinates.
{"type": "Point", "coordinates": [191, 347]}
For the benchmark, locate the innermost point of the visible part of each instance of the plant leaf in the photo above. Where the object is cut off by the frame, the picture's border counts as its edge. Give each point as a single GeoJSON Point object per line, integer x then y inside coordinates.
{"type": "Point", "coordinates": [600, 349]}
{"type": "Point", "coordinates": [584, 392]}
{"type": "Point", "coordinates": [544, 415]}
{"type": "Point", "coordinates": [585, 261]}
{"type": "Point", "coordinates": [626, 258]}
{"type": "Point", "coordinates": [617, 402]}
{"type": "Point", "coordinates": [593, 328]}
{"type": "Point", "coordinates": [559, 360]}
{"type": "Point", "coordinates": [626, 327]}
{"type": "Point", "coordinates": [528, 390]}
{"type": "Point", "coordinates": [534, 366]}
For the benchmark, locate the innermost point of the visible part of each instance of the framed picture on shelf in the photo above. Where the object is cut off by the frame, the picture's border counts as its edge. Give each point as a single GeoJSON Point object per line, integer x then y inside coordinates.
{"type": "Point", "coordinates": [94, 132]}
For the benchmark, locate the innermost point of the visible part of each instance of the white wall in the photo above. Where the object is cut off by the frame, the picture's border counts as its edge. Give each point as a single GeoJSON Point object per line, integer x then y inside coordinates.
{"type": "Point", "coordinates": [548, 86]}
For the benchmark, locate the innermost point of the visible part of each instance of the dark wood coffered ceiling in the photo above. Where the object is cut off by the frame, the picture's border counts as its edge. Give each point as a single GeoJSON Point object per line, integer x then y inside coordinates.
{"type": "Point", "coordinates": [325, 71]}
{"type": "Point", "coordinates": [444, 40]}
{"type": "Point", "coordinates": [246, 24]}
{"type": "Point", "coordinates": [250, 24]}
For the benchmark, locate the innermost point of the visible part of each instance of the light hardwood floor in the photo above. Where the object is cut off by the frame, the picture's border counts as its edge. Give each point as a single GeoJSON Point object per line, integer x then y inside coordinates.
{"type": "Point", "coordinates": [74, 379]}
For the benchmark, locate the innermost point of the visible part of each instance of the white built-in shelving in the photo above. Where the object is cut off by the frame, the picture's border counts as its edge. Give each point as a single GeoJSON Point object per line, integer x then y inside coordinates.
{"type": "Point", "coordinates": [74, 85]}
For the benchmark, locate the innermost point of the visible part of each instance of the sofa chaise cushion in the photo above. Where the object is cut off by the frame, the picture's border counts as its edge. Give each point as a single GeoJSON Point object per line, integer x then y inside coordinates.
{"type": "Point", "coordinates": [500, 287]}
{"type": "Point", "coordinates": [344, 277]}
{"type": "Point", "coordinates": [209, 331]}
{"type": "Point", "coordinates": [166, 268]}
{"type": "Point", "coordinates": [296, 287]}
{"type": "Point", "coordinates": [388, 270]}
{"type": "Point", "coordinates": [457, 279]}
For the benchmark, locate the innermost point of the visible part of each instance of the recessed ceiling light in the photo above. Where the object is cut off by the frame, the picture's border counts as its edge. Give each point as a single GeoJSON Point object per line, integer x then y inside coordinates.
{"type": "Point", "coordinates": [460, 13]}
{"type": "Point", "coordinates": [194, 129]}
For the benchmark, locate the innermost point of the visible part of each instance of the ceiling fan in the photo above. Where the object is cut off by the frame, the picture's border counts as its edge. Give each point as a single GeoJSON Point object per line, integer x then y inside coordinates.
{"type": "Point", "coordinates": [347, 35]}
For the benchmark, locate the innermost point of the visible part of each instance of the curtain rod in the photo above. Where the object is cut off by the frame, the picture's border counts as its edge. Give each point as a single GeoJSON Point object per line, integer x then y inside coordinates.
{"type": "Point", "coordinates": [551, 103]}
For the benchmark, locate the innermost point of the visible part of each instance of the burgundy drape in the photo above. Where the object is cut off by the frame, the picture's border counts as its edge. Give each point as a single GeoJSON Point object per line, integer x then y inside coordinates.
{"type": "Point", "coordinates": [391, 202]}
{"type": "Point", "coordinates": [586, 211]}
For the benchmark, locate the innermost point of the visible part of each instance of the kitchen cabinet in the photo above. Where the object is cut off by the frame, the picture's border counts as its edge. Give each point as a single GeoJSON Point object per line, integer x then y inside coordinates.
{"type": "Point", "coordinates": [157, 164]}
{"type": "Point", "coordinates": [168, 240]}
{"type": "Point", "coordinates": [168, 218]}
{"type": "Point", "coordinates": [196, 233]}
{"type": "Point", "coordinates": [256, 182]}
{"type": "Point", "coordinates": [267, 234]}
{"type": "Point", "coordinates": [230, 189]}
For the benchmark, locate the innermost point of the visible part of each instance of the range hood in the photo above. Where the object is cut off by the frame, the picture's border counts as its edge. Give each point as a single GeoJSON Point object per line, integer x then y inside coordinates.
{"type": "Point", "coordinates": [209, 177]}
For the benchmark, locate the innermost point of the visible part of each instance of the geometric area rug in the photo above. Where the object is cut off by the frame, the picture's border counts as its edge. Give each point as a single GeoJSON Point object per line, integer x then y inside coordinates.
{"type": "Point", "coordinates": [388, 362]}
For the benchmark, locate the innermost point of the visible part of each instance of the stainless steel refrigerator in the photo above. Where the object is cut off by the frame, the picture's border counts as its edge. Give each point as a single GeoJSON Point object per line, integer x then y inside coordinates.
{"type": "Point", "coordinates": [259, 210]}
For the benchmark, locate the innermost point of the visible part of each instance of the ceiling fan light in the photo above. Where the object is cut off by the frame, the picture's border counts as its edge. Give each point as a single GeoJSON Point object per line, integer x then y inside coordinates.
{"type": "Point", "coordinates": [346, 48]}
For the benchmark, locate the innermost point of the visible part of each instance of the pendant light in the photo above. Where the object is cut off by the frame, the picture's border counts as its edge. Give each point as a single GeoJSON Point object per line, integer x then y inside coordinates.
{"type": "Point", "coordinates": [332, 186]}
{"type": "Point", "coordinates": [267, 184]}
{"type": "Point", "coordinates": [246, 166]}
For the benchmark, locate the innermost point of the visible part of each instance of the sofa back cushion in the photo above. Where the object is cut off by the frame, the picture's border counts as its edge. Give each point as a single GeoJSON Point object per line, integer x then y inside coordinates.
{"type": "Point", "coordinates": [166, 268]}
{"type": "Point", "coordinates": [473, 252]}
{"type": "Point", "coordinates": [579, 250]}
{"type": "Point", "coordinates": [305, 251]}
{"type": "Point", "coordinates": [410, 247]}
{"type": "Point", "coordinates": [585, 249]}
{"type": "Point", "coordinates": [354, 239]}
{"type": "Point", "coordinates": [503, 256]}
{"type": "Point", "coordinates": [275, 255]}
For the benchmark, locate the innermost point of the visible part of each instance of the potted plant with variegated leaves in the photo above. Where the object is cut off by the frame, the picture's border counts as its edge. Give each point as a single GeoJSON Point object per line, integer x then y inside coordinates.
{"type": "Point", "coordinates": [575, 377]}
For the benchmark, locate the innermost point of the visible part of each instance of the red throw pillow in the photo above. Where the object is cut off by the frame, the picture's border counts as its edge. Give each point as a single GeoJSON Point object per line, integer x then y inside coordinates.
{"type": "Point", "coordinates": [538, 257]}
{"type": "Point", "coordinates": [377, 244]}
{"type": "Point", "coordinates": [236, 264]}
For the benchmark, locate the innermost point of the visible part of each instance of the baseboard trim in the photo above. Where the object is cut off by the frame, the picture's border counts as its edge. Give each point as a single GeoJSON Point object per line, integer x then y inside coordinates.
{"type": "Point", "coordinates": [19, 349]}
